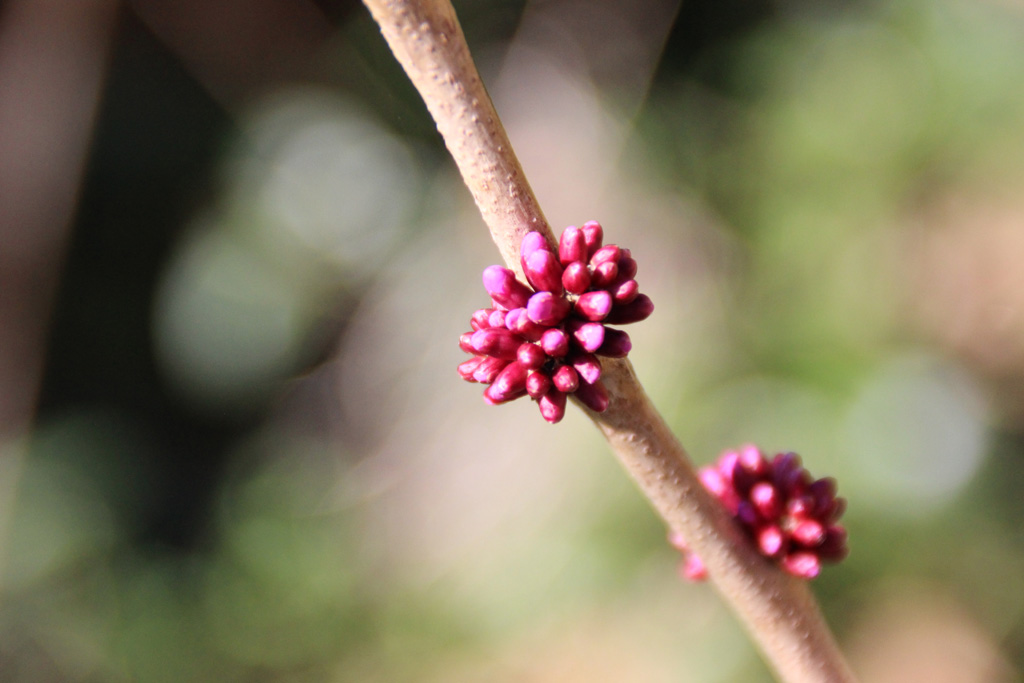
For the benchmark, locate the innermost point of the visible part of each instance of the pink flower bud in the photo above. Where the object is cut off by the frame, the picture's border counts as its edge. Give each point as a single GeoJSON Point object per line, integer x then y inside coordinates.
{"type": "Point", "coordinates": [576, 277]}
{"type": "Point", "coordinates": [805, 565]}
{"type": "Point", "coordinates": [555, 343]}
{"type": "Point", "coordinates": [467, 368]}
{"type": "Point", "coordinates": [594, 305]}
{"type": "Point", "coordinates": [833, 548]}
{"type": "Point", "coordinates": [465, 342]}
{"type": "Point", "coordinates": [752, 460]}
{"type": "Point", "coordinates": [606, 254]}
{"type": "Point", "coordinates": [481, 318]}
{"type": "Point", "coordinates": [544, 272]}
{"type": "Point", "coordinates": [518, 320]}
{"type": "Point", "coordinates": [497, 342]}
{"type": "Point", "coordinates": [627, 265]}
{"type": "Point", "coordinates": [786, 470]}
{"type": "Point", "coordinates": [593, 396]}
{"type": "Point", "coordinates": [809, 533]}
{"type": "Point", "coordinates": [766, 500]}
{"type": "Point", "coordinates": [587, 365]}
{"type": "Point", "coordinates": [510, 383]}
{"type": "Point", "coordinates": [727, 464]}
{"type": "Point", "coordinates": [770, 540]}
{"type": "Point", "coordinates": [593, 235]}
{"type": "Point", "coordinates": [590, 336]}
{"type": "Point", "coordinates": [624, 291]}
{"type": "Point", "coordinates": [605, 274]}
{"type": "Point", "coordinates": [823, 491]}
{"type": "Point", "coordinates": [800, 505]}
{"type": "Point", "coordinates": [544, 308]}
{"type": "Point", "coordinates": [746, 514]}
{"type": "Point", "coordinates": [505, 290]}
{"type": "Point", "coordinates": [693, 568]}
{"type": "Point", "coordinates": [572, 246]}
{"type": "Point", "coordinates": [537, 383]}
{"type": "Point", "coordinates": [638, 309]}
{"type": "Point", "coordinates": [531, 356]}
{"type": "Point", "coordinates": [617, 344]}
{"type": "Point", "coordinates": [552, 406]}
{"type": "Point", "coordinates": [566, 379]}
{"type": "Point", "coordinates": [496, 319]}
{"type": "Point", "coordinates": [532, 242]}
{"type": "Point", "coordinates": [488, 369]}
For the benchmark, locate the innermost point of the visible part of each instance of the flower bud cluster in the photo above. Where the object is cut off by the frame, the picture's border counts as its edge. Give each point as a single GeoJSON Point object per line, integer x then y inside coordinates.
{"type": "Point", "coordinates": [544, 339]}
{"type": "Point", "coordinates": [790, 517]}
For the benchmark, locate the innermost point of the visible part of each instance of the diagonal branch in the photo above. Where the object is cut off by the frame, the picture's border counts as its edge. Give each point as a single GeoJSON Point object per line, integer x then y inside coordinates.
{"type": "Point", "coordinates": [777, 609]}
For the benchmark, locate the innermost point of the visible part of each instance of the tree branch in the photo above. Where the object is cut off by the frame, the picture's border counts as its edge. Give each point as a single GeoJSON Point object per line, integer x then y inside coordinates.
{"type": "Point", "coordinates": [777, 609]}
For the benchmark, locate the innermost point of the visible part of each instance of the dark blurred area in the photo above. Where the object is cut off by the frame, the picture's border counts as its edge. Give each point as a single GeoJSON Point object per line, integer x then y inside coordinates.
{"type": "Point", "coordinates": [234, 258]}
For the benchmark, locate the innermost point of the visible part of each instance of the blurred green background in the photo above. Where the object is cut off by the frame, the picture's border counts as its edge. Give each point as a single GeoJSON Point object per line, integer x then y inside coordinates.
{"type": "Point", "coordinates": [251, 458]}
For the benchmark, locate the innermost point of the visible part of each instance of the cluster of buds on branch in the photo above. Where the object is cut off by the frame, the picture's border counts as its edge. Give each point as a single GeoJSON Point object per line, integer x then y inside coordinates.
{"type": "Point", "coordinates": [544, 339]}
{"type": "Point", "coordinates": [790, 517]}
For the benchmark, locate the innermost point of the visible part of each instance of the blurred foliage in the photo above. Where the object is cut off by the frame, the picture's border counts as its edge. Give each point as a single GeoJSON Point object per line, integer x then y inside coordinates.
{"type": "Point", "coordinates": [221, 504]}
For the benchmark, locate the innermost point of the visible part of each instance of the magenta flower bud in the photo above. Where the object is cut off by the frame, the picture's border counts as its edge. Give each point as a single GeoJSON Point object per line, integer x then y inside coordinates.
{"type": "Point", "coordinates": [590, 336]}
{"type": "Point", "coordinates": [806, 565]}
{"type": "Point", "coordinates": [593, 235]}
{"type": "Point", "coordinates": [587, 365]}
{"type": "Point", "coordinates": [509, 384]}
{"type": "Point", "coordinates": [809, 533]}
{"type": "Point", "coordinates": [576, 277]}
{"type": "Point", "coordinates": [720, 487]}
{"type": "Point", "coordinates": [787, 515]}
{"type": "Point", "coordinates": [592, 396]}
{"type": "Point", "coordinates": [481, 318]}
{"type": "Point", "coordinates": [544, 272]}
{"type": "Point", "coordinates": [552, 406]}
{"type": "Point", "coordinates": [606, 254]}
{"type": "Point", "coordinates": [765, 500]}
{"type": "Point", "coordinates": [496, 319]}
{"type": "Point", "coordinates": [752, 460]}
{"type": "Point", "coordinates": [493, 395]}
{"type": "Point", "coordinates": [518, 320]}
{"type": "Point", "coordinates": [594, 305]}
{"type": "Point", "coordinates": [467, 368]}
{"type": "Point", "coordinates": [693, 568]}
{"type": "Point", "coordinates": [572, 246]}
{"type": "Point", "coordinates": [823, 491]}
{"type": "Point", "coordinates": [555, 343]}
{"type": "Point", "coordinates": [627, 265]}
{"type": "Point", "coordinates": [532, 241]}
{"type": "Point", "coordinates": [800, 506]}
{"type": "Point", "coordinates": [537, 383]}
{"type": "Point", "coordinates": [727, 463]}
{"type": "Point", "coordinates": [505, 290]}
{"type": "Point", "coordinates": [512, 318]}
{"type": "Point", "coordinates": [833, 548]}
{"type": "Point", "coordinates": [714, 482]}
{"type": "Point", "coordinates": [787, 470]}
{"type": "Point", "coordinates": [497, 342]}
{"type": "Point", "coordinates": [566, 379]}
{"type": "Point", "coordinates": [544, 308]}
{"type": "Point", "coordinates": [465, 342]}
{"type": "Point", "coordinates": [837, 509]}
{"type": "Point", "coordinates": [531, 356]}
{"type": "Point", "coordinates": [746, 514]}
{"type": "Point", "coordinates": [638, 309]}
{"type": "Point", "coordinates": [605, 274]}
{"type": "Point", "coordinates": [617, 344]}
{"type": "Point", "coordinates": [488, 369]}
{"type": "Point", "coordinates": [770, 540]}
{"type": "Point", "coordinates": [624, 291]}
